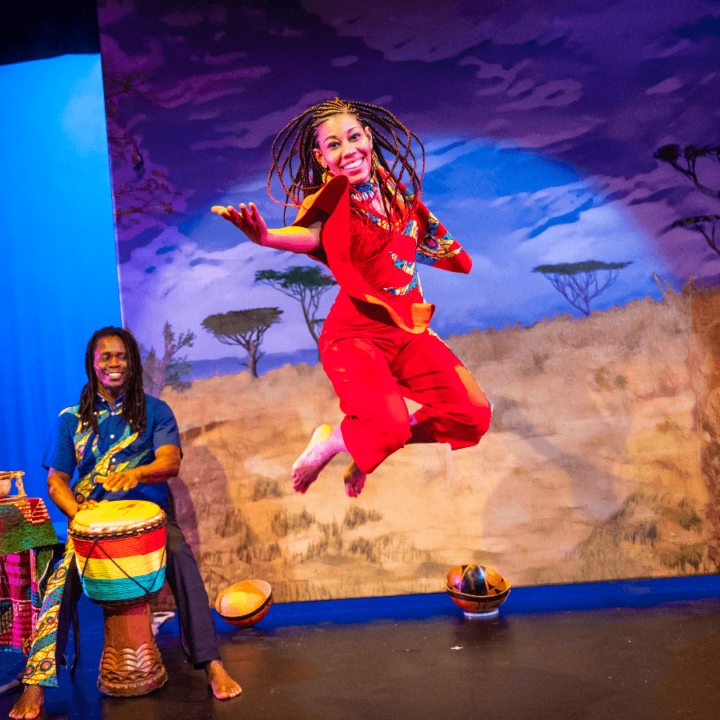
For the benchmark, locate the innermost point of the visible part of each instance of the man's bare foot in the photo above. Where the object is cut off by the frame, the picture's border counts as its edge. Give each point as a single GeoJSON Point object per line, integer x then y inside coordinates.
{"type": "Point", "coordinates": [223, 686]}
{"type": "Point", "coordinates": [321, 450]}
{"type": "Point", "coordinates": [354, 479]}
{"type": "Point", "coordinates": [30, 703]}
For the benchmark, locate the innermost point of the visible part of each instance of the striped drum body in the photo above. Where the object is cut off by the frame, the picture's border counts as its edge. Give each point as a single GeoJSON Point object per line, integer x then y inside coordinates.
{"type": "Point", "coordinates": [120, 551]}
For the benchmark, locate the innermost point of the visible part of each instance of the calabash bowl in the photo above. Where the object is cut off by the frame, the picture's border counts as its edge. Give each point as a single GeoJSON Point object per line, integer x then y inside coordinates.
{"type": "Point", "coordinates": [478, 591]}
{"type": "Point", "coordinates": [245, 603]}
{"type": "Point", "coordinates": [6, 479]}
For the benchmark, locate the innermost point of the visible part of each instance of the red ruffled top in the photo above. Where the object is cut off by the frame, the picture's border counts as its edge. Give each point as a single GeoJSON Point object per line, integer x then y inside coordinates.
{"type": "Point", "coordinates": [389, 290]}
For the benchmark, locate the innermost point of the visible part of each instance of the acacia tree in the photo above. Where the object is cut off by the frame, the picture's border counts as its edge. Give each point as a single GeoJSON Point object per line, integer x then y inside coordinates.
{"type": "Point", "coordinates": [167, 371]}
{"type": "Point", "coordinates": [686, 162]}
{"type": "Point", "coordinates": [245, 328]}
{"type": "Point", "coordinates": [579, 283]}
{"type": "Point", "coordinates": [304, 284]}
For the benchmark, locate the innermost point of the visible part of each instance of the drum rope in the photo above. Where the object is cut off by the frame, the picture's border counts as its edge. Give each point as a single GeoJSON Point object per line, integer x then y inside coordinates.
{"type": "Point", "coordinates": [146, 593]}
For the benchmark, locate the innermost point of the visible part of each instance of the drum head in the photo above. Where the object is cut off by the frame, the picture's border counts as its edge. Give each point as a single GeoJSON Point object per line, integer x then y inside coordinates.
{"type": "Point", "coordinates": [111, 516]}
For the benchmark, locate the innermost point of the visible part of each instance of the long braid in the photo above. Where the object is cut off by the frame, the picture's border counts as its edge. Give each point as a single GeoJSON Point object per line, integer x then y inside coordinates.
{"type": "Point", "coordinates": [134, 409]}
{"type": "Point", "coordinates": [297, 140]}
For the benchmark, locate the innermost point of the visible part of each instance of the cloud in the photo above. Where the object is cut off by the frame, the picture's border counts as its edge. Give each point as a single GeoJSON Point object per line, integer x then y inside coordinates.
{"type": "Point", "coordinates": [433, 31]}
{"type": "Point", "coordinates": [185, 284]}
{"type": "Point", "coordinates": [666, 86]}
{"type": "Point", "coordinates": [217, 14]}
{"type": "Point", "coordinates": [116, 60]}
{"type": "Point", "coordinates": [203, 88]}
{"type": "Point", "coordinates": [287, 32]}
{"type": "Point", "coordinates": [225, 59]}
{"type": "Point", "coordinates": [660, 51]}
{"type": "Point", "coordinates": [344, 61]}
{"type": "Point", "coordinates": [567, 128]}
{"type": "Point", "coordinates": [204, 114]}
{"type": "Point", "coordinates": [441, 152]}
{"type": "Point", "coordinates": [445, 28]}
{"type": "Point", "coordinates": [252, 134]}
{"type": "Point", "coordinates": [567, 222]}
{"type": "Point", "coordinates": [652, 202]}
{"type": "Point", "coordinates": [111, 11]}
{"type": "Point", "coordinates": [499, 79]}
{"type": "Point", "coordinates": [557, 93]}
{"type": "Point", "coordinates": [184, 19]}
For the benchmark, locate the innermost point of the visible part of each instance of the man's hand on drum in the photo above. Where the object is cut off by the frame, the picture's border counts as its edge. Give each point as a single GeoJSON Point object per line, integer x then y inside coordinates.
{"type": "Point", "coordinates": [248, 220]}
{"type": "Point", "coordinates": [125, 480]}
{"type": "Point", "coordinates": [87, 505]}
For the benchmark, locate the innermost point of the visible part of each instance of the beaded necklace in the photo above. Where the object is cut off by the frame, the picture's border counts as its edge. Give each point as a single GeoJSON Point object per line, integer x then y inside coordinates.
{"type": "Point", "coordinates": [365, 192]}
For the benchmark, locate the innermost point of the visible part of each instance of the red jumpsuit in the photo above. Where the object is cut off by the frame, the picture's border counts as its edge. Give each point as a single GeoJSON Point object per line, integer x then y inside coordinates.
{"type": "Point", "coordinates": [376, 347]}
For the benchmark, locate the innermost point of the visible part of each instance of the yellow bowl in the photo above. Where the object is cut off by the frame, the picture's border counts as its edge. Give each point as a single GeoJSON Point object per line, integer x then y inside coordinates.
{"type": "Point", "coordinates": [477, 590]}
{"type": "Point", "coordinates": [245, 603]}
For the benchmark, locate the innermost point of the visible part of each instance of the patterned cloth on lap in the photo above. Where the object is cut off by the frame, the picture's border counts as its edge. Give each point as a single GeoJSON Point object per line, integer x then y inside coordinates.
{"type": "Point", "coordinates": [27, 538]}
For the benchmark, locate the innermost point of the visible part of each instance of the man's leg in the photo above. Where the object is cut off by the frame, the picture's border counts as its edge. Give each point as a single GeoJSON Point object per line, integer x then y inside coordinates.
{"type": "Point", "coordinates": [197, 627]}
{"type": "Point", "coordinates": [40, 667]}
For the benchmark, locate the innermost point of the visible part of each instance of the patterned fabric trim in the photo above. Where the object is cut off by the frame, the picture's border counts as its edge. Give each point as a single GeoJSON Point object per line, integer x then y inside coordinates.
{"type": "Point", "coordinates": [102, 466]}
{"type": "Point", "coordinates": [399, 291]}
{"type": "Point", "coordinates": [82, 436]}
{"type": "Point", "coordinates": [409, 268]}
{"type": "Point", "coordinates": [432, 246]}
{"type": "Point", "coordinates": [41, 666]}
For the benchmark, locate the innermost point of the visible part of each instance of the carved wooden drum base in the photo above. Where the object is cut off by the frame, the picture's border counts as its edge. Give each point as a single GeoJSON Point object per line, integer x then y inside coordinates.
{"type": "Point", "coordinates": [131, 663]}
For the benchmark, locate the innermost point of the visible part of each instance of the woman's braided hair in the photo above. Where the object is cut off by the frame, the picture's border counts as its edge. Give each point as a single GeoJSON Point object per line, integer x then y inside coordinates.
{"type": "Point", "coordinates": [299, 172]}
{"type": "Point", "coordinates": [134, 410]}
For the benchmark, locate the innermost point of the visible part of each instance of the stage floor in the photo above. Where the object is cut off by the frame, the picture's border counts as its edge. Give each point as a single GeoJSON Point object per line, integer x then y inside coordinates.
{"type": "Point", "coordinates": [651, 663]}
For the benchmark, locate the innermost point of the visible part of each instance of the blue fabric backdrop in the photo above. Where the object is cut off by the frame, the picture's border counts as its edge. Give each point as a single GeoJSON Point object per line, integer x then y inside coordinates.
{"type": "Point", "coordinates": [58, 270]}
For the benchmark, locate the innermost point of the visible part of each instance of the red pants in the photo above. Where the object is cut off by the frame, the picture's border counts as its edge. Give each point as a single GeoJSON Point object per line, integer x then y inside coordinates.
{"type": "Point", "coordinates": [374, 368]}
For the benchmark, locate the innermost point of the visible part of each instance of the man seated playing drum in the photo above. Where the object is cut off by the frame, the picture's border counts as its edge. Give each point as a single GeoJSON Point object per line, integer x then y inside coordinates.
{"type": "Point", "coordinates": [126, 445]}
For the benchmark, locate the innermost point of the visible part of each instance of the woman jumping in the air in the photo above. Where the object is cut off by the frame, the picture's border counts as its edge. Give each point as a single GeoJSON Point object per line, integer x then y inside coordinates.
{"type": "Point", "coordinates": [346, 162]}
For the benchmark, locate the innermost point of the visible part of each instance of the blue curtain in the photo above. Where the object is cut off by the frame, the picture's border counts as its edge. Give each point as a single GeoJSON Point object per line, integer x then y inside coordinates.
{"type": "Point", "coordinates": [58, 269]}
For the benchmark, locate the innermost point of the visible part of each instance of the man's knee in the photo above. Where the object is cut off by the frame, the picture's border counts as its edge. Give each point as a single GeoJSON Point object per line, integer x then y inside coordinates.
{"type": "Point", "coordinates": [176, 547]}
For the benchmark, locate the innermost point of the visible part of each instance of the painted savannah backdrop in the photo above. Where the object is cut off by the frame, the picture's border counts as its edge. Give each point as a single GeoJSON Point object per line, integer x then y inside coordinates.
{"type": "Point", "coordinates": [572, 148]}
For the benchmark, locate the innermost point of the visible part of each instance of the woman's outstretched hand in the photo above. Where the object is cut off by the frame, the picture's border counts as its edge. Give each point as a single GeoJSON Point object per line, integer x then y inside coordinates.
{"type": "Point", "coordinates": [248, 220]}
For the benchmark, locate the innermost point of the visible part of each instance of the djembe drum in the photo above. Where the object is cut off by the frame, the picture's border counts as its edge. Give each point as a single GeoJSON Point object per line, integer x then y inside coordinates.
{"type": "Point", "coordinates": [120, 555]}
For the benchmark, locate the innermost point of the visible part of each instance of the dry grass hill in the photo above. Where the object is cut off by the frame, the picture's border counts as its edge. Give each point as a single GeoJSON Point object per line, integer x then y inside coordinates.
{"type": "Point", "coordinates": [596, 467]}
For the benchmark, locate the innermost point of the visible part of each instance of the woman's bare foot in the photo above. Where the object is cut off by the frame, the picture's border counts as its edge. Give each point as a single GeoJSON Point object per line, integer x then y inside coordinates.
{"type": "Point", "coordinates": [223, 686]}
{"type": "Point", "coordinates": [324, 445]}
{"type": "Point", "coordinates": [354, 480]}
{"type": "Point", "coordinates": [30, 703]}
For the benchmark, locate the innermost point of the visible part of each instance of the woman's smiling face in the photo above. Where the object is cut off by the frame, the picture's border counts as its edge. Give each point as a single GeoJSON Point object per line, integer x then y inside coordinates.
{"type": "Point", "coordinates": [345, 148]}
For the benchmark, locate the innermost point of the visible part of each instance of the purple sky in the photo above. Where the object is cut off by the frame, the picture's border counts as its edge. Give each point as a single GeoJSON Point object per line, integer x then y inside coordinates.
{"type": "Point", "coordinates": [540, 120]}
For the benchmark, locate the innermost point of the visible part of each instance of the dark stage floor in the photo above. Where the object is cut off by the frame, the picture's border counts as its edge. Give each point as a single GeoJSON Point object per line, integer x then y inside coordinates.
{"type": "Point", "coordinates": [656, 662]}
